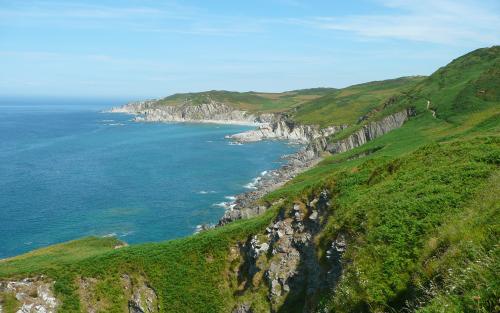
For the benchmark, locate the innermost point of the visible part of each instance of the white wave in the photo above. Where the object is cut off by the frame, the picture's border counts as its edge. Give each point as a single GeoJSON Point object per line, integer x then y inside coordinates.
{"type": "Point", "coordinates": [228, 205]}
{"type": "Point", "coordinates": [235, 143]}
{"type": "Point", "coordinates": [204, 192]}
{"type": "Point", "coordinates": [109, 235]}
{"type": "Point", "coordinates": [224, 205]}
{"type": "Point", "coordinates": [230, 198]}
{"type": "Point", "coordinates": [125, 234]}
{"type": "Point", "coordinates": [253, 184]}
{"type": "Point", "coordinates": [198, 229]}
{"type": "Point", "coordinates": [263, 173]}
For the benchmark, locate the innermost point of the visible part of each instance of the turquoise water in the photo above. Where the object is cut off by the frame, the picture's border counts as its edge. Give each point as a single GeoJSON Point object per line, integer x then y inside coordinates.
{"type": "Point", "coordinates": [68, 171]}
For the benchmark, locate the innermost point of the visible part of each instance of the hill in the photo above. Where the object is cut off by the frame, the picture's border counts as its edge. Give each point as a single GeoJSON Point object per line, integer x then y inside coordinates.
{"type": "Point", "coordinates": [319, 106]}
{"type": "Point", "coordinates": [249, 101]}
{"type": "Point", "coordinates": [347, 105]}
{"type": "Point", "coordinates": [408, 222]}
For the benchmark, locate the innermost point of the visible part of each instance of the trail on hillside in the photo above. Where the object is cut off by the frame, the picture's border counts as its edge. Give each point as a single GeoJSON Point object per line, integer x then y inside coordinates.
{"type": "Point", "coordinates": [428, 108]}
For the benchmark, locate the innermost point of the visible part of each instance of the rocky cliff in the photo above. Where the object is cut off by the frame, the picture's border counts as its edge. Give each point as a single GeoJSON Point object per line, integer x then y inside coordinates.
{"type": "Point", "coordinates": [282, 128]}
{"type": "Point", "coordinates": [371, 131]}
{"type": "Point", "coordinates": [284, 261]}
{"type": "Point", "coordinates": [269, 126]}
{"type": "Point", "coordinates": [245, 205]}
{"type": "Point", "coordinates": [209, 112]}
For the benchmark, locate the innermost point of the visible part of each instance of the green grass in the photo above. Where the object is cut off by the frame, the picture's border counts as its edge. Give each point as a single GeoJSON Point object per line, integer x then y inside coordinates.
{"type": "Point", "coordinates": [69, 252]}
{"type": "Point", "coordinates": [186, 273]}
{"type": "Point", "coordinates": [388, 209]}
{"type": "Point", "coordinates": [9, 302]}
{"type": "Point", "coordinates": [459, 262]}
{"type": "Point", "coordinates": [250, 101]}
{"type": "Point", "coordinates": [345, 106]}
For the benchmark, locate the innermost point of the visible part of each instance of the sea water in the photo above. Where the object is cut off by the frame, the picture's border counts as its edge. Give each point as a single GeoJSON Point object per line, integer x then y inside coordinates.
{"type": "Point", "coordinates": [68, 171]}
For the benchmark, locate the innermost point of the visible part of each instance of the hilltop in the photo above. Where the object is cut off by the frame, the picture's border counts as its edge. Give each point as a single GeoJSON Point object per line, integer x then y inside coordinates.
{"type": "Point", "coordinates": [402, 219]}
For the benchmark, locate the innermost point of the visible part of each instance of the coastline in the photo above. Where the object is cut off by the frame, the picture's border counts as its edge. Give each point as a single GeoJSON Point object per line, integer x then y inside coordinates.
{"type": "Point", "coordinates": [276, 127]}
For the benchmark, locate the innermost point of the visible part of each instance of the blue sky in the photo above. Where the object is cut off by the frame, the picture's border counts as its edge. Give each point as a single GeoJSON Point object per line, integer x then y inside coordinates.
{"type": "Point", "coordinates": [145, 49]}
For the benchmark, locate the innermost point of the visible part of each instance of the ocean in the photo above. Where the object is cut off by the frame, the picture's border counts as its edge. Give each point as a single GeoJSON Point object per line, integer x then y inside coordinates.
{"type": "Point", "coordinates": [68, 171]}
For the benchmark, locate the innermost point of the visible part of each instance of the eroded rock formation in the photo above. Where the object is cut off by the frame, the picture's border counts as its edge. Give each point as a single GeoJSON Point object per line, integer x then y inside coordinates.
{"type": "Point", "coordinates": [285, 260]}
{"type": "Point", "coordinates": [33, 295]}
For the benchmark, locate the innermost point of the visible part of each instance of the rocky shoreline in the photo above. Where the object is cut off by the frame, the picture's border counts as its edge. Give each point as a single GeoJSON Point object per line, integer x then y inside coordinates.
{"type": "Point", "coordinates": [268, 127]}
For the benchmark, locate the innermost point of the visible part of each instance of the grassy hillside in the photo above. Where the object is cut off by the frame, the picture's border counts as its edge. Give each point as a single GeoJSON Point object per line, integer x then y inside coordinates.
{"type": "Point", "coordinates": [346, 106]}
{"type": "Point", "coordinates": [250, 101]}
{"type": "Point", "coordinates": [463, 93]}
{"type": "Point", "coordinates": [321, 106]}
{"type": "Point", "coordinates": [419, 208]}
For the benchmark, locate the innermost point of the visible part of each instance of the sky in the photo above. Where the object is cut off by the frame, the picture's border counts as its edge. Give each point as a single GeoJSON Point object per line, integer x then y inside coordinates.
{"type": "Point", "coordinates": [148, 49]}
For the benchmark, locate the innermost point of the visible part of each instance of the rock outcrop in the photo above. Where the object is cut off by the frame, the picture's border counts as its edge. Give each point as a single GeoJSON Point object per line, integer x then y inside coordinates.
{"type": "Point", "coordinates": [141, 296]}
{"type": "Point", "coordinates": [269, 126]}
{"type": "Point", "coordinates": [371, 131]}
{"type": "Point", "coordinates": [245, 205]}
{"type": "Point", "coordinates": [285, 257]}
{"type": "Point", "coordinates": [286, 130]}
{"type": "Point", "coordinates": [34, 295]}
{"type": "Point", "coordinates": [209, 112]}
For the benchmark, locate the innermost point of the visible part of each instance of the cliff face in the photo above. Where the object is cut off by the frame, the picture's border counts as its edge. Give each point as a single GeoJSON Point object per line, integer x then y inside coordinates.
{"type": "Point", "coordinates": [370, 132]}
{"type": "Point", "coordinates": [210, 112]}
{"type": "Point", "coordinates": [285, 129]}
{"type": "Point", "coordinates": [310, 155]}
{"type": "Point", "coordinates": [283, 260]}
{"type": "Point", "coordinates": [270, 126]}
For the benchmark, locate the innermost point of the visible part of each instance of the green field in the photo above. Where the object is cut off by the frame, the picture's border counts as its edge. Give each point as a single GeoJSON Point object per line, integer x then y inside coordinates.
{"type": "Point", "coordinates": [419, 207]}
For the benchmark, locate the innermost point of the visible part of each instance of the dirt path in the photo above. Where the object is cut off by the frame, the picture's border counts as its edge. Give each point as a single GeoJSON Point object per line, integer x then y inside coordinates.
{"type": "Point", "coordinates": [428, 108]}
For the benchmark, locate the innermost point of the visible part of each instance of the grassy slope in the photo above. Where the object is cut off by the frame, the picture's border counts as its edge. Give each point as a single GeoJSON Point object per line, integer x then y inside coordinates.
{"type": "Point", "coordinates": [187, 273]}
{"type": "Point", "coordinates": [250, 101]}
{"type": "Point", "coordinates": [423, 204]}
{"type": "Point", "coordinates": [345, 106]}
{"type": "Point", "coordinates": [467, 86]}
{"type": "Point", "coordinates": [322, 106]}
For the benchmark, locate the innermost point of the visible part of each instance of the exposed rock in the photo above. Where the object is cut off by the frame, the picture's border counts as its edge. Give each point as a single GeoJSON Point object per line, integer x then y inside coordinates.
{"type": "Point", "coordinates": [257, 248]}
{"type": "Point", "coordinates": [242, 308]}
{"type": "Point", "coordinates": [313, 216]}
{"type": "Point", "coordinates": [245, 204]}
{"type": "Point", "coordinates": [334, 255]}
{"type": "Point", "coordinates": [291, 268]}
{"type": "Point", "coordinates": [210, 112]}
{"type": "Point", "coordinates": [285, 129]}
{"type": "Point", "coordinates": [371, 131]}
{"type": "Point", "coordinates": [35, 295]}
{"type": "Point", "coordinates": [143, 298]}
